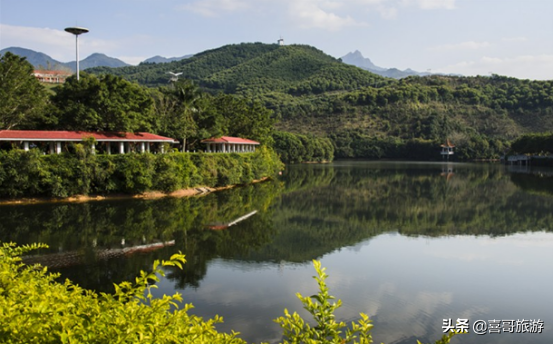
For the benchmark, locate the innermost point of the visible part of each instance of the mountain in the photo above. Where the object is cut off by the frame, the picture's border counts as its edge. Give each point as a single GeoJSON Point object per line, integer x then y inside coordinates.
{"type": "Point", "coordinates": [161, 59]}
{"type": "Point", "coordinates": [37, 59]}
{"type": "Point", "coordinates": [256, 67]}
{"type": "Point", "coordinates": [99, 60]}
{"type": "Point", "coordinates": [365, 115]}
{"type": "Point", "coordinates": [43, 61]}
{"type": "Point", "coordinates": [357, 59]}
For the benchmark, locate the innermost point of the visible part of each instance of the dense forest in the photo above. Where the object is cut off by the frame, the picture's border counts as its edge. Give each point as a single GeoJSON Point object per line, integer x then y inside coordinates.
{"type": "Point", "coordinates": [307, 105]}
{"type": "Point", "coordinates": [363, 114]}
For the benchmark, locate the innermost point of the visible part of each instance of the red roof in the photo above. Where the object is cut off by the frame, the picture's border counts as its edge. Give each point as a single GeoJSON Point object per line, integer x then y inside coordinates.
{"type": "Point", "coordinates": [448, 144]}
{"type": "Point", "coordinates": [52, 72]}
{"type": "Point", "coordinates": [229, 139]}
{"type": "Point", "coordinates": [43, 135]}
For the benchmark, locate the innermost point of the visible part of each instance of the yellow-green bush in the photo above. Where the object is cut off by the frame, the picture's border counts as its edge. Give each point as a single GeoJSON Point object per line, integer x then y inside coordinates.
{"type": "Point", "coordinates": [35, 308]}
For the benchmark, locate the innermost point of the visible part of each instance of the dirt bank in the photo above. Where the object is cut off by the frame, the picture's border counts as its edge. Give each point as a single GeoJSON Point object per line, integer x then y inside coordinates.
{"type": "Point", "coordinates": [195, 191]}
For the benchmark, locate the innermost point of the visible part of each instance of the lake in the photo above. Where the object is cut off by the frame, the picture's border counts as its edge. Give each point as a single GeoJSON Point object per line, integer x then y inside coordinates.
{"type": "Point", "coordinates": [410, 244]}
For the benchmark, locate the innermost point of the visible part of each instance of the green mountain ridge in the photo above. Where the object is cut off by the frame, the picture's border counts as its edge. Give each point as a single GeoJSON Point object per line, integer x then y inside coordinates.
{"type": "Point", "coordinates": [365, 115]}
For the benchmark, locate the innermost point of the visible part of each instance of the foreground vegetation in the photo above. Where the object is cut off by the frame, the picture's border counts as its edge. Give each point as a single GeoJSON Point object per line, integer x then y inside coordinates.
{"type": "Point", "coordinates": [35, 308]}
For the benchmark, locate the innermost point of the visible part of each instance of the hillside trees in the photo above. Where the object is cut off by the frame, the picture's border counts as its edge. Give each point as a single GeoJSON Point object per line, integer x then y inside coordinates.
{"type": "Point", "coordinates": [302, 148]}
{"type": "Point", "coordinates": [105, 103]}
{"type": "Point", "coordinates": [22, 97]}
{"type": "Point", "coordinates": [245, 119]}
{"type": "Point", "coordinates": [533, 144]}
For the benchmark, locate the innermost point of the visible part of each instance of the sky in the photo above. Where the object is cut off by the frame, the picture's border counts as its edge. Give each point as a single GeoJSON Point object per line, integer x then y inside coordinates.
{"type": "Point", "coordinates": [467, 37]}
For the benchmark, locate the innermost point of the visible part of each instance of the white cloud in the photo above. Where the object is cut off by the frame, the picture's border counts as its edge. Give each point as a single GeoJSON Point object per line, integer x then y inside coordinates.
{"type": "Point", "coordinates": [58, 44]}
{"type": "Point", "coordinates": [311, 14]}
{"type": "Point", "coordinates": [213, 8]}
{"type": "Point", "coordinates": [436, 4]}
{"type": "Point", "coordinates": [537, 67]}
{"type": "Point", "coordinates": [387, 12]}
{"type": "Point", "coordinates": [430, 4]}
{"type": "Point", "coordinates": [470, 45]}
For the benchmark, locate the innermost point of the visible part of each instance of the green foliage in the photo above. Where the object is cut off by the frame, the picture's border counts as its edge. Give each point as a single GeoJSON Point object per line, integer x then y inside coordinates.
{"type": "Point", "coordinates": [251, 86]}
{"type": "Point", "coordinates": [23, 97]}
{"type": "Point", "coordinates": [254, 68]}
{"type": "Point", "coordinates": [327, 330]}
{"type": "Point", "coordinates": [107, 103]}
{"type": "Point", "coordinates": [302, 148]}
{"type": "Point", "coordinates": [35, 308]}
{"type": "Point", "coordinates": [82, 173]}
{"type": "Point", "coordinates": [539, 144]}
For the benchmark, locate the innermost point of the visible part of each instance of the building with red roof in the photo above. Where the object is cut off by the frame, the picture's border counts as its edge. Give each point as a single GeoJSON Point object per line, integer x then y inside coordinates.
{"type": "Point", "coordinates": [229, 144]}
{"type": "Point", "coordinates": [53, 141]}
{"type": "Point", "coordinates": [52, 76]}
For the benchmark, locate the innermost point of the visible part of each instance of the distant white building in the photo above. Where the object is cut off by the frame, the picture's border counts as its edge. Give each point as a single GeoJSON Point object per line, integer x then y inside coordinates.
{"type": "Point", "coordinates": [281, 41]}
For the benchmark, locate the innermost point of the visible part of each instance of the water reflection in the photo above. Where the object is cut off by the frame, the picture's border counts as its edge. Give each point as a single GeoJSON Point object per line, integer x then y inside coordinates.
{"type": "Point", "coordinates": [408, 243]}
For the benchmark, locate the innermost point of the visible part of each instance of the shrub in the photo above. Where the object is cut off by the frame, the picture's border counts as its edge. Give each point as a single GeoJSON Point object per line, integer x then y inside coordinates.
{"type": "Point", "coordinates": [81, 172]}
{"type": "Point", "coordinates": [35, 308]}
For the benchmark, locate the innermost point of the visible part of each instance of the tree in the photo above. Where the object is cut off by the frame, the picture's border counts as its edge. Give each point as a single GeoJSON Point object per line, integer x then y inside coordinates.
{"type": "Point", "coordinates": [22, 96]}
{"type": "Point", "coordinates": [107, 103]}
{"type": "Point", "coordinates": [244, 119]}
{"type": "Point", "coordinates": [188, 97]}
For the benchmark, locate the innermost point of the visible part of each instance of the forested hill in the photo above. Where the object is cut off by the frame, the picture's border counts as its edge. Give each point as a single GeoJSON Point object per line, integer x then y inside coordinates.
{"type": "Point", "coordinates": [365, 115]}
{"type": "Point", "coordinates": [255, 68]}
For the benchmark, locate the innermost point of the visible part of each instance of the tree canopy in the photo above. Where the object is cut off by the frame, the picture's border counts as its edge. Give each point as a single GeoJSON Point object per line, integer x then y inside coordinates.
{"type": "Point", "coordinates": [23, 98]}
{"type": "Point", "coordinates": [105, 103]}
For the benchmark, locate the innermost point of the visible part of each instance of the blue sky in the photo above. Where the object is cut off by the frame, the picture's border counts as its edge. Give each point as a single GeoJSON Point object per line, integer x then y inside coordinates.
{"type": "Point", "coordinates": [469, 37]}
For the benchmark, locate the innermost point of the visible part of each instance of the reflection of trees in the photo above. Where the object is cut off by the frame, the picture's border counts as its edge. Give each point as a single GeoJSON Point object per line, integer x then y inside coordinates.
{"type": "Point", "coordinates": [321, 208]}
{"type": "Point", "coordinates": [413, 200]}
{"type": "Point", "coordinates": [536, 183]}
{"type": "Point", "coordinates": [87, 228]}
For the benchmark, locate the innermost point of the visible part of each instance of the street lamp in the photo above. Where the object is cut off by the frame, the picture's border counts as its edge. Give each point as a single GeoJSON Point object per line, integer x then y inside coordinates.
{"type": "Point", "coordinates": [76, 31]}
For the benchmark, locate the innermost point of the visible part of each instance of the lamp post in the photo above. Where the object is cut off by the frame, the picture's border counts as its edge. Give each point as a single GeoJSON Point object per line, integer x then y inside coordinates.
{"type": "Point", "coordinates": [76, 31]}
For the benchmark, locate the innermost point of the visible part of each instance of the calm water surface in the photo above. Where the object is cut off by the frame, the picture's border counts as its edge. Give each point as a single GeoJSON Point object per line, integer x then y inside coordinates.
{"type": "Point", "coordinates": [410, 244]}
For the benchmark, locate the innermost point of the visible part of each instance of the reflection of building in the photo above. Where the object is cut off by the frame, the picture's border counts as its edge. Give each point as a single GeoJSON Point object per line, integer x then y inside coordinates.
{"type": "Point", "coordinates": [447, 171]}
{"type": "Point", "coordinates": [72, 258]}
{"type": "Point", "coordinates": [52, 76]}
{"type": "Point", "coordinates": [447, 149]}
{"type": "Point", "coordinates": [228, 144]}
{"type": "Point", "coordinates": [109, 142]}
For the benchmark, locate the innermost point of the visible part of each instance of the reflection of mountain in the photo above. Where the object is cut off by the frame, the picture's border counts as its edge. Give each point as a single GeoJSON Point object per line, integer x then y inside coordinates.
{"type": "Point", "coordinates": [532, 180]}
{"type": "Point", "coordinates": [411, 199]}
{"type": "Point", "coordinates": [315, 210]}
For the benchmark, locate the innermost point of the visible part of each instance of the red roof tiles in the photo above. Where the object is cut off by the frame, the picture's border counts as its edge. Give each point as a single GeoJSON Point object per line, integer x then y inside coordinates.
{"type": "Point", "coordinates": [229, 139]}
{"type": "Point", "coordinates": [42, 135]}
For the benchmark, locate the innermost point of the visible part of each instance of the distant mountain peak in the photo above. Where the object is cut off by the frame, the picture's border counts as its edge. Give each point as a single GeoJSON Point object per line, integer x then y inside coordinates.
{"type": "Point", "coordinates": [161, 59]}
{"type": "Point", "coordinates": [357, 59]}
{"type": "Point", "coordinates": [41, 60]}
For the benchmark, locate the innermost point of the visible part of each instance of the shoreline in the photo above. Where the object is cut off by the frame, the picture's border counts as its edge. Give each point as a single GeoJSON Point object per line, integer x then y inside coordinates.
{"type": "Point", "coordinates": [188, 192]}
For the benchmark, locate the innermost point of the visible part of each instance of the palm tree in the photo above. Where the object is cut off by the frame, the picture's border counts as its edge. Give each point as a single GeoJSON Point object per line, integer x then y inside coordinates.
{"type": "Point", "coordinates": [188, 97]}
